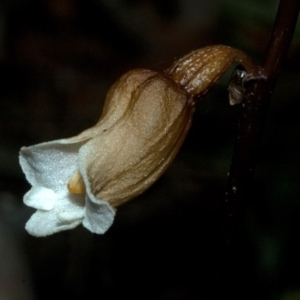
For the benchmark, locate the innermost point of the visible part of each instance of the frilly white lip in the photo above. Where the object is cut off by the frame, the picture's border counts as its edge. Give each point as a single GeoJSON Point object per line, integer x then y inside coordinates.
{"type": "Point", "coordinates": [48, 167]}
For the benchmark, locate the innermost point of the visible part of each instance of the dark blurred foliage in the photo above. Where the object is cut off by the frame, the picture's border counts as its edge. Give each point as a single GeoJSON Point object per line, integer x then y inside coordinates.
{"type": "Point", "coordinates": [57, 60]}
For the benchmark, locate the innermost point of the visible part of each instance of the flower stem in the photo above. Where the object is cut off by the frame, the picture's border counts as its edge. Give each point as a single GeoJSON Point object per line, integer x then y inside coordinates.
{"type": "Point", "coordinates": [251, 124]}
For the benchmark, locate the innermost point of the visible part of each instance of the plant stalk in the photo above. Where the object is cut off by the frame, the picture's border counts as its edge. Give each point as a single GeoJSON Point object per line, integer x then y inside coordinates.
{"type": "Point", "coordinates": [256, 101]}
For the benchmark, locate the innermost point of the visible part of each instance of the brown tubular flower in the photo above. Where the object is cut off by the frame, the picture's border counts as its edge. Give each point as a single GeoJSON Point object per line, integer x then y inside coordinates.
{"type": "Point", "coordinates": [145, 119]}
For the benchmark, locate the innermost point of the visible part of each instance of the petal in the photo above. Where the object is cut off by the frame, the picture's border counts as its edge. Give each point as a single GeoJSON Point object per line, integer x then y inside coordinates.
{"type": "Point", "coordinates": [124, 161]}
{"type": "Point", "coordinates": [50, 164]}
{"type": "Point", "coordinates": [98, 215]}
{"type": "Point", "coordinates": [41, 198]}
{"type": "Point", "coordinates": [116, 103]}
{"type": "Point", "coordinates": [119, 97]}
{"type": "Point", "coordinates": [66, 214]}
{"type": "Point", "coordinates": [70, 216]}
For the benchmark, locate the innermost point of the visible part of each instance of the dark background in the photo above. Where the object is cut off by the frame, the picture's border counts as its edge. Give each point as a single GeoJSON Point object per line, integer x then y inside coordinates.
{"type": "Point", "coordinates": [57, 60]}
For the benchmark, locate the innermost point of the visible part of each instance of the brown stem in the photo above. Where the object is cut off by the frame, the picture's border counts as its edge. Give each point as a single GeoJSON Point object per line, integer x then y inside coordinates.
{"type": "Point", "coordinates": [255, 105]}
{"type": "Point", "coordinates": [199, 70]}
{"type": "Point", "coordinates": [281, 38]}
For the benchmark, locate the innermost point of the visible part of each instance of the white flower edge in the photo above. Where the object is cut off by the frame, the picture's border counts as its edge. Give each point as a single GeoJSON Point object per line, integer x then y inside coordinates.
{"type": "Point", "coordinates": [48, 167]}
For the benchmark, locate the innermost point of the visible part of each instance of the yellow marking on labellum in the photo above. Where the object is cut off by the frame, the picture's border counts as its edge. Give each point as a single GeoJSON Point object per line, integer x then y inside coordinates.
{"type": "Point", "coordinates": [76, 184]}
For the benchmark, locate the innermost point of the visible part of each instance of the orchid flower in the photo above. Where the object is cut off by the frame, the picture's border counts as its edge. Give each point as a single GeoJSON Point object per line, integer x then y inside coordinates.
{"type": "Point", "coordinates": [145, 119]}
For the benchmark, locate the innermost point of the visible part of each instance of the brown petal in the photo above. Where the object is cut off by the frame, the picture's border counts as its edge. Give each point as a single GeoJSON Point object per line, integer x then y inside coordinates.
{"type": "Point", "coordinates": [116, 102]}
{"type": "Point", "coordinates": [120, 94]}
{"type": "Point", "coordinates": [125, 160]}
